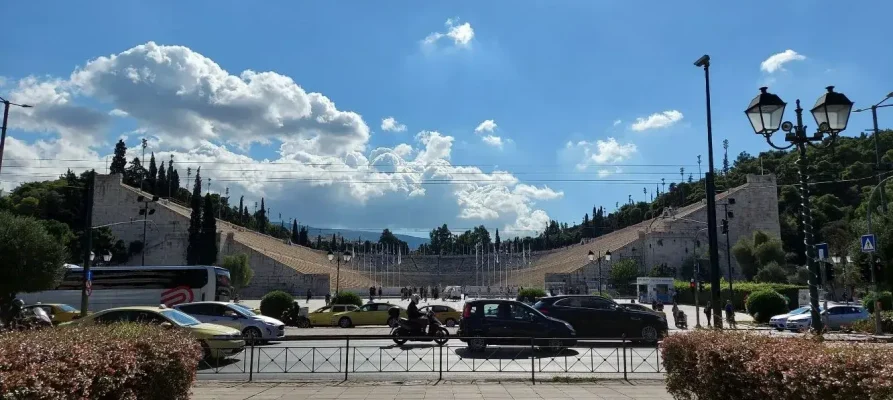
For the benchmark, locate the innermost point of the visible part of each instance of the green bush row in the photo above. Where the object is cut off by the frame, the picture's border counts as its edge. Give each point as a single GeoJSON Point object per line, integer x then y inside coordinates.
{"type": "Point", "coordinates": [741, 291]}
{"type": "Point", "coordinates": [886, 299]}
{"type": "Point", "coordinates": [120, 361]}
{"type": "Point", "coordinates": [744, 366]}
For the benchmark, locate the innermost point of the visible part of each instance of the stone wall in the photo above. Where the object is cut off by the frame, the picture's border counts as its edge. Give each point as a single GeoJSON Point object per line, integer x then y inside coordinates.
{"type": "Point", "coordinates": [272, 275]}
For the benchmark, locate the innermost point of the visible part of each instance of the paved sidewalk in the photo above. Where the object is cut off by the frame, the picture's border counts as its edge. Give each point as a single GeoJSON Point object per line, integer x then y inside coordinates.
{"type": "Point", "coordinates": [207, 390]}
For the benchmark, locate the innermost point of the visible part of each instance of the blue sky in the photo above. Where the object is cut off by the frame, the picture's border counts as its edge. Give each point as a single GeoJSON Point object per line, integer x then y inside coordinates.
{"type": "Point", "coordinates": [553, 77]}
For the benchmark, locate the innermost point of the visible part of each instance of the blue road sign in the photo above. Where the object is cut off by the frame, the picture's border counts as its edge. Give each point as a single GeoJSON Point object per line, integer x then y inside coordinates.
{"type": "Point", "coordinates": [869, 244]}
{"type": "Point", "coordinates": [89, 275]}
{"type": "Point", "coordinates": [822, 250]}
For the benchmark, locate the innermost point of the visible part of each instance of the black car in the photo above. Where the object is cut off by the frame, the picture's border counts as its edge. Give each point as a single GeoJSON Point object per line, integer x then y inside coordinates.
{"type": "Point", "coordinates": [600, 317]}
{"type": "Point", "coordinates": [509, 322]}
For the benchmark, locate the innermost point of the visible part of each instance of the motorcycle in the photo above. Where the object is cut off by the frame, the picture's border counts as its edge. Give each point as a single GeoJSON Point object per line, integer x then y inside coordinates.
{"type": "Point", "coordinates": [35, 318]}
{"type": "Point", "coordinates": [405, 330]}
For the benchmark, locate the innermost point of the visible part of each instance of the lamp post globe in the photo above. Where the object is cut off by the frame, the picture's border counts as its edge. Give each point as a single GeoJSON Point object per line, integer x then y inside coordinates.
{"type": "Point", "coordinates": [330, 256]}
{"type": "Point", "coordinates": [832, 111]}
{"type": "Point", "coordinates": [107, 257]}
{"type": "Point", "coordinates": [347, 256]}
{"type": "Point", "coordinates": [608, 255]}
{"type": "Point", "coordinates": [591, 256]}
{"type": "Point", "coordinates": [765, 112]}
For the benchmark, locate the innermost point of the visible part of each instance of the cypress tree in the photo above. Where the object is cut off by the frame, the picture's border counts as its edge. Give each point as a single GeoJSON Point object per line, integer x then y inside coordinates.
{"type": "Point", "coordinates": [294, 232]}
{"type": "Point", "coordinates": [208, 234]}
{"type": "Point", "coordinates": [119, 162]}
{"type": "Point", "coordinates": [262, 217]}
{"type": "Point", "coordinates": [193, 249]}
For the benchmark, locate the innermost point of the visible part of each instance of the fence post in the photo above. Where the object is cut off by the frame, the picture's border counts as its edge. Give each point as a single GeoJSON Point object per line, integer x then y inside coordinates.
{"type": "Point", "coordinates": [440, 372]}
{"type": "Point", "coordinates": [346, 358]}
{"type": "Point", "coordinates": [251, 362]}
{"type": "Point", "coordinates": [624, 357]}
{"type": "Point", "coordinates": [532, 363]}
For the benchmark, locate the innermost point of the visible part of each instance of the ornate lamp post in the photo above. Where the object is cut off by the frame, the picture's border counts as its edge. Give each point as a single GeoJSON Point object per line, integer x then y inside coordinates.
{"type": "Point", "coordinates": [607, 257]}
{"type": "Point", "coordinates": [346, 256]}
{"type": "Point", "coordinates": [831, 112]}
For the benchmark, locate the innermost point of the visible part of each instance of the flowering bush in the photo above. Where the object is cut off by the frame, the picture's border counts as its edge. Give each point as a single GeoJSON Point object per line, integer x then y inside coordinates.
{"type": "Point", "coordinates": [122, 361]}
{"type": "Point", "coordinates": [719, 365]}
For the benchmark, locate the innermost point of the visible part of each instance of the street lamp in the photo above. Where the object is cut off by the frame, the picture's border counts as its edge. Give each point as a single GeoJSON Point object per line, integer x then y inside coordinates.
{"type": "Point", "coordinates": [145, 211]}
{"type": "Point", "coordinates": [831, 112]}
{"type": "Point", "coordinates": [346, 256]}
{"type": "Point", "coordinates": [6, 104]}
{"type": "Point", "coordinates": [607, 257]}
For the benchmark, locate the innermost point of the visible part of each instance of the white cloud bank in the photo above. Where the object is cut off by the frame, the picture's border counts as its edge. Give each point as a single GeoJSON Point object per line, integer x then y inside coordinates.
{"type": "Point", "coordinates": [777, 61]}
{"type": "Point", "coordinates": [657, 121]}
{"type": "Point", "coordinates": [391, 125]}
{"type": "Point", "coordinates": [461, 34]}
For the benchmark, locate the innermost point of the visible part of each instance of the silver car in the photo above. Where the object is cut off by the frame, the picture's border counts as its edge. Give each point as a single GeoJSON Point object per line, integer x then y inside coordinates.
{"type": "Point", "coordinates": [252, 326]}
{"type": "Point", "coordinates": [836, 317]}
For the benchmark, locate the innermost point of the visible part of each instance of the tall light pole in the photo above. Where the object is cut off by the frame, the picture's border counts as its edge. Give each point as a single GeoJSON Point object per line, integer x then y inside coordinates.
{"type": "Point", "coordinates": [831, 113]}
{"type": "Point", "coordinates": [712, 236]}
{"type": "Point", "coordinates": [346, 256]}
{"type": "Point", "coordinates": [145, 211]}
{"type": "Point", "coordinates": [607, 257]}
{"type": "Point", "coordinates": [6, 104]}
{"type": "Point", "coordinates": [877, 146]}
{"type": "Point", "coordinates": [143, 162]}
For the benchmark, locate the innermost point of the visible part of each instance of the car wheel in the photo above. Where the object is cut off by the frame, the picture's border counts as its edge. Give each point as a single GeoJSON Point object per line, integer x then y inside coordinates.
{"type": "Point", "coordinates": [450, 322]}
{"type": "Point", "coordinates": [441, 337]}
{"type": "Point", "coordinates": [345, 322]}
{"type": "Point", "coordinates": [392, 322]}
{"type": "Point", "coordinates": [477, 343]}
{"type": "Point", "coordinates": [304, 323]}
{"type": "Point", "coordinates": [251, 334]}
{"type": "Point", "coordinates": [649, 334]}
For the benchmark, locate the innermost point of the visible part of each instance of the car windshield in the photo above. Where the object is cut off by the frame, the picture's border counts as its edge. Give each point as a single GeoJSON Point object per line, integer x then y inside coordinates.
{"type": "Point", "coordinates": [244, 310]}
{"type": "Point", "coordinates": [67, 308]}
{"type": "Point", "coordinates": [322, 309]}
{"type": "Point", "coordinates": [801, 310]}
{"type": "Point", "coordinates": [180, 318]}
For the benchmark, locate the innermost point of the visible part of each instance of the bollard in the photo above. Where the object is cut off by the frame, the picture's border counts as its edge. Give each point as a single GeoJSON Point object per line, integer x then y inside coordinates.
{"type": "Point", "coordinates": [532, 363]}
{"type": "Point", "coordinates": [251, 363]}
{"type": "Point", "coordinates": [346, 357]}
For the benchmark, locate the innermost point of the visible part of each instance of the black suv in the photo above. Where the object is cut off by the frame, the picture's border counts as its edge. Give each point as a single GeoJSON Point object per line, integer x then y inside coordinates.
{"type": "Point", "coordinates": [600, 317]}
{"type": "Point", "coordinates": [508, 322]}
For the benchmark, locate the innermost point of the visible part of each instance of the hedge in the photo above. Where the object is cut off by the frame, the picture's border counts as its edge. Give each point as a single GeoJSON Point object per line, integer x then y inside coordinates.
{"type": "Point", "coordinates": [121, 361]}
{"type": "Point", "coordinates": [530, 295]}
{"type": "Point", "coordinates": [347, 298]}
{"type": "Point", "coordinates": [742, 290]}
{"type": "Point", "coordinates": [730, 365]}
{"type": "Point", "coordinates": [886, 301]}
{"type": "Point", "coordinates": [763, 304]}
{"type": "Point", "coordinates": [273, 304]}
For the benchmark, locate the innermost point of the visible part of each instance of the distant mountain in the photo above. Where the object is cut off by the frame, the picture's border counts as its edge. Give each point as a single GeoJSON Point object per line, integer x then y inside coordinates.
{"type": "Point", "coordinates": [413, 241]}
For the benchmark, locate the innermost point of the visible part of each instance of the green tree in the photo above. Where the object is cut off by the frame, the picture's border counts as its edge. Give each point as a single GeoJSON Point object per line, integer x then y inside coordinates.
{"type": "Point", "coordinates": [153, 175]}
{"type": "Point", "coordinates": [295, 235]}
{"type": "Point", "coordinates": [240, 272]}
{"type": "Point", "coordinates": [161, 182]}
{"type": "Point", "coordinates": [119, 161]}
{"type": "Point", "coordinates": [662, 270]}
{"type": "Point", "coordinates": [262, 217]}
{"type": "Point", "coordinates": [497, 241]}
{"type": "Point", "coordinates": [772, 273]}
{"type": "Point", "coordinates": [208, 234]}
{"type": "Point", "coordinates": [31, 259]}
{"type": "Point", "coordinates": [624, 273]}
{"type": "Point", "coordinates": [194, 247]}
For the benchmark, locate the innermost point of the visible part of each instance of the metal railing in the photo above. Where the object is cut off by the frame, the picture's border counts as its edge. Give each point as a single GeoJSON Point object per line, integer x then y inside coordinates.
{"type": "Point", "coordinates": [338, 357]}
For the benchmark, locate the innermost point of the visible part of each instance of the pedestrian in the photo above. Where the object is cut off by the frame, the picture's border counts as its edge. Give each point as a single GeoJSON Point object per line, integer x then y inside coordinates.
{"type": "Point", "coordinates": [730, 314]}
{"type": "Point", "coordinates": [309, 295]}
{"type": "Point", "coordinates": [708, 311]}
{"type": "Point", "coordinates": [328, 298]}
{"type": "Point", "coordinates": [379, 292]}
{"type": "Point", "coordinates": [371, 293]}
{"type": "Point", "coordinates": [654, 304]}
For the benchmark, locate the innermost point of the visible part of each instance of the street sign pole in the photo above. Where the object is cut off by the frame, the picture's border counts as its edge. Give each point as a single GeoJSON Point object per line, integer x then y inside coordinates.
{"type": "Point", "coordinates": [869, 245]}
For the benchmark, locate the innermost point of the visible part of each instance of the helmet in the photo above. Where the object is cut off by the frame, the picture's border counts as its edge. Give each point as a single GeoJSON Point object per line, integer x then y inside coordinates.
{"type": "Point", "coordinates": [18, 302]}
{"type": "Point", "coordinates": [415, 298]}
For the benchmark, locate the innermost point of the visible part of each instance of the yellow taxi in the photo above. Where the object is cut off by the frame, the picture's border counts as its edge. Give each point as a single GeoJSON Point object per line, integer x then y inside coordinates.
{"type": "Point", "coordinates": [59, 313]}
{"type": "Point", "coordinates": [217, 341]}
{"type": "Point", "coordinates": [325, 316]}
{"type": "Point", "coordinates": [447, 315]}
{"type": "Point", "coordinates": [368, 314]}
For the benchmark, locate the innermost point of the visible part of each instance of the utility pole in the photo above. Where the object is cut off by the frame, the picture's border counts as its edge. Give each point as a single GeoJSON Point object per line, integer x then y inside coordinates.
{"type": "Point", "coordinates": [88, 241]}
{"type": "Point", "coordinates": [170, 182]}
{"type": "Point", "coordinates": [142, 162]}
{"type": "Point", "coordinates": [6, 104]}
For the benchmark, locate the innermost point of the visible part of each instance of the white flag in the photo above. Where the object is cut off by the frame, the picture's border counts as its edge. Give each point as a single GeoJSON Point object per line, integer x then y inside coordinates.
{"type": "Point", "coordinates": [400, 255]}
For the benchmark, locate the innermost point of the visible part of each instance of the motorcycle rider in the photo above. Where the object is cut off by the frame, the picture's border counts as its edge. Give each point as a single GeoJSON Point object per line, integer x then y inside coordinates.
{"type": "Point", "coordinates": [14, 312]}
{"type": "Point", "coordinates": [416, 319]}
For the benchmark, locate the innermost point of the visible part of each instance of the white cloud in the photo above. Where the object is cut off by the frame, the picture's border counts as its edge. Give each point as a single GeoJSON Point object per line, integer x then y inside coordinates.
{"type": "Point", "coordinates": [777, 61]}
{"type": "Point", "coordinates": [657, 120]}
{"type": "Point", "coordinates": [390, 124]}
{"type": "Point", "coordinates": [461, 34]}
{"type": "Point", "coordinates": [617, 122]}
{"type": "Point", "coordinates": [600, 152]}
{"type": "Point", "coordinates": [486, 126]}
{"type": "Point", "coordinates": [118, 113]}
{"type": "Point", "coordinates": [189, 107]}
{"type": "Point", "coordinates": [495, 141]}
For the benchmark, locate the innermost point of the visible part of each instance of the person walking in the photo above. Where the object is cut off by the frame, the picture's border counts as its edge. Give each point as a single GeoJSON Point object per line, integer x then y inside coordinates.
{"type": "Point", "coordinates": [708, 311]}
{"type": "Point", "coordinates": [730, 314]}
{"type": "Point", "coordinates": [328, 298]}
{"type": "Point", "coordinates": [309, 295]}
{"type": "Point", "coordinates": [379, 292]}
{"type": "Point", "coordinates": [371, 293]}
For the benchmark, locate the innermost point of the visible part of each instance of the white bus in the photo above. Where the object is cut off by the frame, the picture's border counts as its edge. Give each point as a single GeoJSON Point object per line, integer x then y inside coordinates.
{"type": "Point", "coordinates": [138, 286]}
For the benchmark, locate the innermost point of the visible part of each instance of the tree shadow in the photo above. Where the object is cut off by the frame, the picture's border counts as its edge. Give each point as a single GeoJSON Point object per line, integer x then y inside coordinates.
{"type": "Point", "coordinates": [513, 353]}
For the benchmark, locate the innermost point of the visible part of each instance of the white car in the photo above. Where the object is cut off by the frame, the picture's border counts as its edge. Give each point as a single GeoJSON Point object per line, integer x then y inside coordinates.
{"type": "Point", "coordinates": [779, 321]}
{"type": "Point", "coordinates": [836, 317]}
{"type": "Point", "coordinates": [252, 326]}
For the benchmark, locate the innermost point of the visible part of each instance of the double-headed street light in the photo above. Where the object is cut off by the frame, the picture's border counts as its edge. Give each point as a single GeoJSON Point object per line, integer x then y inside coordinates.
{"type": "Point", "coordinates": [6, 104]}
{"type": "Point", "coordinates": [607, 257]}
{"type": "Point", "coordinates": [346, 256]}
{"type": "Point", "coordinates": [831, 112]}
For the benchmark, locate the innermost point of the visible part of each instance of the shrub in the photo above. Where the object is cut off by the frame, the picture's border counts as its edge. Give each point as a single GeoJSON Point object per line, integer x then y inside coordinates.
{"type": "Point", "coordinates": [122, 361]}
{"type": "Point", "coordinates": [741, 289]}
{"type": "Point", "coordinates": [530, 295]}
{"type": "Point", "coordinates": [726, 365]}
{"type": "Point", "coordinates": [886, 301]}
{"type": "Point", "coordinates": [275, 302]}
{"type": "Point", "coordinates": [347, 298]}
{"type": "Point", "coordinates": [763, 304]}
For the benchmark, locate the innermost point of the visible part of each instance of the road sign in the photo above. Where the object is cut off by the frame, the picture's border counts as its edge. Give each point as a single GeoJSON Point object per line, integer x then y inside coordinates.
{"type": "Point", "coordinates": [89, 276]}
{"type": "Point", "coordinates": [88, 287]}
{"type": "Point", "coordinates": [822, 250]}
{"type": "Point", "coordinates": [869, 244]}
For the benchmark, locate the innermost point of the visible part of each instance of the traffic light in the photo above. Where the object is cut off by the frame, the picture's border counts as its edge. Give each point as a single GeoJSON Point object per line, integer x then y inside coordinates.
{"type": "Point", "coordinates": [701, 286]}
{"type": "Point", "coordinates": [691, 285]}
{"type": "Point", "coordinates": [829, 272]}
{"type": "Point", "coordinates": [725, 226]}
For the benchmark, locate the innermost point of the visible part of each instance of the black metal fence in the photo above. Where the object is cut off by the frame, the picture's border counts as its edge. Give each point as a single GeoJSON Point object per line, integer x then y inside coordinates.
{"type": "Point", "coordinates": [340, 357]}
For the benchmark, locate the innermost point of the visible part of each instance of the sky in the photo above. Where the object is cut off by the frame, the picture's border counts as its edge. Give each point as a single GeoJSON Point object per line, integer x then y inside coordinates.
{"type": "Point", "coordinates": [410, 114]}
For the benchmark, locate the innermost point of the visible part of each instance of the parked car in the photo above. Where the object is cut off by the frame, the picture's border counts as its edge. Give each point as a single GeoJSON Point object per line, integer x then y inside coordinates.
{"type": "Point", "coordinates": [325, 316]}
{"type": "Point", "coordinates": [640, 307]}
{"type": "Point", "coordinates": [510, 322]}
{"type": "Point", "coordinates": [779, 321]}
{"type": "Point", "coordinates": [448, 315]}
{"type": "Point", "coordinates": [217, 341]}
{"type": "Point", "coordinates": [58, 313]}
{"type": "Point", "coordinates": [253, 326]}
{"type": "Point", "coordinates": [599, 317]}
{"type": "Point", "coordinates": [369, 314]}
{"type": "Point", "coordinates": [836, 317]}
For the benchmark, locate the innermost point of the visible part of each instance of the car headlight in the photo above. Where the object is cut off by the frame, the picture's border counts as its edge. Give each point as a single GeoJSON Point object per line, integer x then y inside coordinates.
{"type": "Point", "coordinates": [269, 323]}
